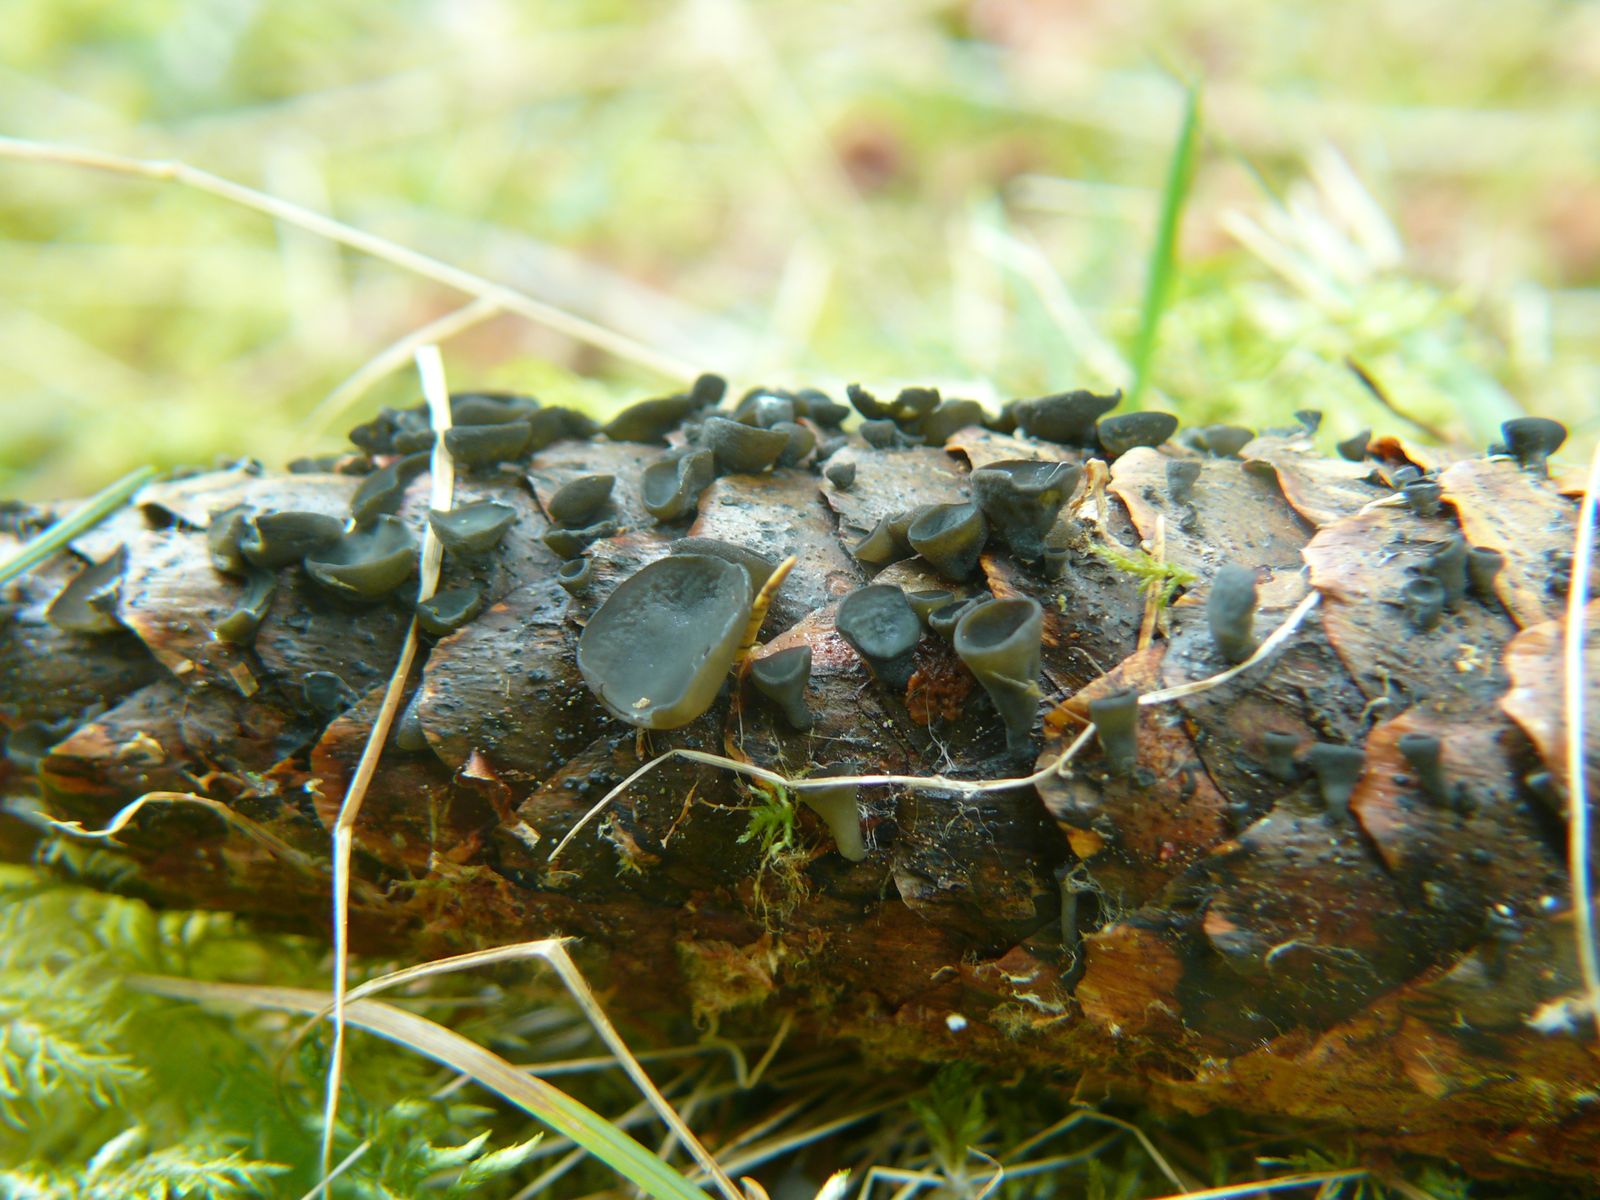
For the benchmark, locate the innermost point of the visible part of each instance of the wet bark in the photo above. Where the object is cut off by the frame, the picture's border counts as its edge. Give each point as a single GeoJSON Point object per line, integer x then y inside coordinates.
{"type": "Point", "coordinates": [1211, 929]}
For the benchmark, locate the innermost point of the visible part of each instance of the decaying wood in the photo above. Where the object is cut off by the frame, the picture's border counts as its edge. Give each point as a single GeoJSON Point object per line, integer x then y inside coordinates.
{"type": "Point", "coordinates": [1203, 932]}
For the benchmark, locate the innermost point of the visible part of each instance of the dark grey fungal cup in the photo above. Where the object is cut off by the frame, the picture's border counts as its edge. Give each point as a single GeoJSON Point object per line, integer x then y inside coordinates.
{"type": "Point", "coordinates": [950, 537]}
{"type": "Point", "coordinates": [881, 627]}
{"type": "Point", "coordinates": [1225, 441]}
{"type": "Point", "coordinates": [239, 626]}
{"type": "Point", "coordinates": [999, 640]}
{"type": "Point", "coordinates": [273, 540]}
{"type": "Point", "coordinates": [1423, 599]}
{"type": "Point", "coordinates": [1182, 474]}
{"type": "Point", "coordinates": [579, 501]}
{"type": "Point", "coordinates": [1280, 748]}
{"type": "Point", "coordinates": [1532, 440]}
{"type": "Point", "coordinates": [840, 811]}
{"type": "Point", "coordinates": [1021, 499]}
{"type": "Point", "coordinates": [1066, 418]}
{"type": "Point", "coordinates": [1230, 611]}
{"type": "Point", "coordinates": [1126, 431]}
{"type": "Point", "coordinates": [471, 529]}
{"type": "Point", "coordinates": [367, 563]}
{"type": "Point", "coordinates": [782, 679]}
{"type": "Point", "coordinates": [1116, 724]}
{"type": "Point", "coordinates": [671, 489]}
{"type": "Point", "coordinates": [742, 449]}
{"type": "Point", "coordinates": [1338, 770]}
{"type": "Point", "coordinates": [1484, 563]}
{"type": "Point", "coordinates": [656, 652]}
{"type": "Point", "coordinates": [447, 611]}
{"type": "Point", "coordinates": [485, 445]}
{"type": "Point", "coordinates": [1422, 752]}
{"type": "Point", "coordinates": [575, 575]}
{"type": "Point", "coordinates": [88, 602]}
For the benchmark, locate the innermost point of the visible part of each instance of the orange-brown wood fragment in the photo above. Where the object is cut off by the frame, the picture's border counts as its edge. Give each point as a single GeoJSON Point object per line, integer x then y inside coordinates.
{"type": "Point", "coordinates": [1131, 980]}
{"type": "Point", "coordinates": [1322, 490]}
{"type": "Point", "coordinates": [1535, 662]}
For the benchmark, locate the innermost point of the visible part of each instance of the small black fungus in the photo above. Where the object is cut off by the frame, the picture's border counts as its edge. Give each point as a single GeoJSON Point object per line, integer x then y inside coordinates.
{"type": "Point", "coordinates": [485, 445]}
{"type": "Point", "coordinates": [882, 628]}
{"type": "Point", "coordinates": [1354, 447]}
{"type": "Point", "coordinates": [1230, 610]}
{"type": "Point", "coordinates": [325, 692]}
{"type": "Point", "coordinates": [472, 528]}
{"type": "Point", "coordinates": [88, 601]}
{"type": "Point", "coordinates": [1066, 418]}
{"type": "Point", "coordinates": [782, 678]}
{"type": "Point", "coordinates": [275, 540]}
{"type": "Point", "coordinates": [742, 449]}
{"type": "Point", "coordinates": [1311, 418]}
{"type": "Point", "coordinates": [385, 488]}
{"type": "Point", "coordinates": [887, 541]}
{"type": "Point", "coordinates": [801, 443]}
{"type": "Point", "coordinates": [1404, 474]}
{"type": "Point", "coordinates": [447, 611]}
{"type": "Point", "coordinates": [1004, 421]}
{"type": "Point", "coordinates": [1448, 564]}
{"type": "Point", "coordinates": [225, 531]}
{"type": "Point", "coordinates": [580, 500]}
{"type": "Point", "coordinates": [1056, 561]}
{"type": "Point", "coordinates": [1423, 599]}
{"type": "Point", "coordinates": [408, 732]}
{"type": "Point", "coordinates": [757, 566]}
{"type": "Point", "coordinates": [367, 563]}
{"type": "Point", "coordinates": [656, 651]}
{"type": "Point", "coordinates": [912, 405]}
{"type": "Point", "coordinates": [569, 543]}
{"type": "Point", "coordinates": [1182, 474]}
{"type": "Point", "coordinates": [671, 488]}
{"type": "Point", "coordinates": [1338, 769]}
{"type": "Point", "coordinates": [490, 408]}
{"type": "Point", "coordinates": [1225, 441]}
{"type": "Point", "coordinates": [707, 390]}
{"type": "Point", "coordinates": [1116, 723]}
{"type": "Point", "coordinates": [944, 422]}
{"type": "Point", "coordinates": [1421, 750]}
{"type": "Point", "coordinates": [1484, 563]}
{"type": "Point", "coordinates": [766, 410]}
{"type": "Point", "coordinates": [1422, 496]}
{"type": "Point", "coordinates": [841, 472]}
{"type": "Point", "coordinates": [575, 575]}
{"type": "Point", "coordinates": [999, 641]}
{"type": "Point", "coordinates": [840, 811]}
{"type": "Point", "coordinates": [944, 619]}
{"type": "Point", "coordinates": [1280, 747]}
{"type": "Point", "coordinates": [1021, 499]}
{"type": "Point", "coordinates": [865, 403]}
{"type": "Point", "coordinates": [649, 421]}
{"type": "Point", "coordinates": [950, 537]}
{"type": "Point", "coordinates": [1124, 432]}
{"type": "Point", "coordinates": [1532, 440]}
{"type": "Point", "coordinates": [925, 603]}
{"type": "Point", "coordinates": [880, 433]}
{"type": "Point", "coordinates": [240, 625]}
{"type": "Point", "coordinates": [818, 407]}
{"type": "Point", "coordinates": [556, 422]}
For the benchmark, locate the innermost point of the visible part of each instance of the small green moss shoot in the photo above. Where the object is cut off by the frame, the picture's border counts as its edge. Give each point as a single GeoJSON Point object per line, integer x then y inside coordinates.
{"type": "Point", "coordinates": [1162, 578]}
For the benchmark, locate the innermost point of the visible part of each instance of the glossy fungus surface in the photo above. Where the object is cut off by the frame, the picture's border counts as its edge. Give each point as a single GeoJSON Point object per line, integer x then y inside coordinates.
{"type": "Point", "coordinates": [1354, 447]}
{"type": "Point", "coordinates": [575, 575]}
{"type": "Point", "coordinates": [88, 602]}
{"type": "Point", "coordinates": [225, 531]}
{"type": "Point", "coordinates": [275, 540]}
{"type": "Point", "coordinates": [742, 449]}
{"type": "Point", "coordinates": [1123, 432]}
{"type": "Point", "coordinates": [925, 603]}
{"type": "Point", "coordinates": [1422, 752]}
{"type": "Point", "coordinates": [1225, 441]}
{"type": "Point", "coordinates": [367, 563]}
{"type": "Point", "coordinates": [1021, 499]}
{"type": "Point", "coordinates": [1484, 563]}
{"type": "Point", "coordinates": [474, 528]}
{"type": "Point", "coordinates": [881, 627]}
{"type": "Point", "coordinates": [240, 624]}
{"type": "Point", "coordinates": [1066, 418]}
{"type": "Point", "coordinates": [671, 489]}
{"type": "Point", "coordinates": [1182, 474]}
{"type": "Point", "coordinates": [649, 421]}
{"type": "Point", "coordinates": [485, 445]}
{"type": "Point", "coordinates": [1423, 599]}
{"type": "Point", "coordinates": [384, 489]}
{"type": "Point", "coordinates": [1116, 724]}
{"type": "Point", "coordinates": [945, 421]}
{"type": "Point", "coordinates": [841, 472]}
{"type": "Point", "coordinates": [447, 611]}
{"type": "Point", "coordinates": [1338, 769]}
{"type": "Point", "coordinates": [840, 811]}
{"type": "Point", "coordinates": [580, 500]}
{"type": "Point", "coordinates": [782, 679]}
{"type": "Point", "coordinates": [656, 651]}
{"type": "Point", "coordinates": [1230, 611]}
{"type": "Point", "coordinates": [569, 543]}
{"type": "Point", "coordinates": [950, 537]}
{"type": "Point", "coordinates": [999, 640]}
{"type": "Point", "coordinates": [1532, 440]}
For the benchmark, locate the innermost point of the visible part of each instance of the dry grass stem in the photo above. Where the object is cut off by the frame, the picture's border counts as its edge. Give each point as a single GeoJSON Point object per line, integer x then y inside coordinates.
{"type": "Point", "coordinates": [1574, 686]}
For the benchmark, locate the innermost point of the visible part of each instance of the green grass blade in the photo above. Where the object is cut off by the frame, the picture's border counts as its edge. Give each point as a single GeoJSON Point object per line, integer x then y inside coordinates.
{"type": "Point", "coordinates": [1163, 252]}
{"type": "Point", "coordinates": [86, 517]}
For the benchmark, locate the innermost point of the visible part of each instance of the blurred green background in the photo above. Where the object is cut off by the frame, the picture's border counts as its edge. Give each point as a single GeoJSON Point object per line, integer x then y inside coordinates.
{"type": "Point", "coordinates": [949, 192]}
{"type": "Point", "coordinates": [959, 193]}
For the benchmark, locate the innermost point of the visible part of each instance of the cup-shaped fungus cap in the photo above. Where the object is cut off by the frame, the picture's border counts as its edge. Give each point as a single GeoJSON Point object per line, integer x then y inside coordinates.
{"type": "Point", "coordinates": [782, 678]}
{"type": "Point", "coordinates": [241, 623]}
{"type": "Point", "coordinates": [1533, 439]}
{"type": "Point", "coordinates": [1422, 752]}
{"type": "Point", "coordinates": [226, 529]}
{"type": "Point", "coordinates": [575, 575]}
{"type": "Point", "coordinates": [1311, 418]}
{"type": "Point", "coordinates": [367, 563]}
{"type": "Point", "coordinates": [671, 488]}
{"type": "Point", "coordinates": [766, 410]}
{"type": "Point", "coordinates": [472, 528]}
{"type": "Point", "coordinates": [944, 619]}
{"type": "Point", "coordinates": [1067, 417]}
{"type": "Point", "coordinates": [1354, 447]}
{"type": "Point", "coordinates": [707, 390]}
{"type": "Point", "coordinates": [579, 501]}
{"type": "Point", "coordinates": [1225, 441]}
{"type": "Point", "coordinates": [887, 542]}
{"type": "Point", "coordinates": [1422, 496]}
{"type": "Point", "coordinates": [1403, 474]}
{"type": "Point", "coordinates": [1182, 473]}
{"type": "Point", "coordinates": [88, 602]}
{"type": "Point", "coordinates": [277, 539]}
{"type": "Point", "coordinates": [880, 434]}
{"type": "Point", "coordinates": [758, 566]}
{"type": "Point", "coordinates": [1021, 499]}
{"type": "Point", "coordinates": [801, 442]}
{"type": "Point", "coordinates": [1116, 723]}
{"type": "Point", "coordinates": [865, 403]}
{"type": "Point", "coordinates": [569, 543]}
{"type": "Point", "coordinates": [925, 603]}
{"type": "Point", "coordinates": [1423, 598]}
{"type": "Point", "coordinates": [882, 628]}
{"type": "Point", "coordinates": [841, 472]}
{"type": "Point", "coordinates": [1338, 769]}
{"type": "Point", "coordinates": [484, 445]}
{"type": "Point", "coordinates": [999, 642]}
{"type": "Point", "coordinates": [942, 423]}
{"type": "Point", "coordinates": [1280, 747]}
{"type": "Point", "coordinates": [1448, 564]}
{"type": "Point", "coordinates": [950, 537]}
{"type": "Point", "coordinates": [384, 489]}
{"type": "Point", "coordinates": [742, 449]}
{"type": "Point", "coordinates": [1123, 432]}
{"type": "Point", "coordinates": [489, 408]}
{"type": "Point", "coordinates": [839, 810]}
{"type": "Point", "coordinates": [447, 611]}
{"type": "Point", "coordinates": [649, 421]}
{"type": "Point", "coordinates": [1230, 610]}
{"type": "Point", "coordinates": [1483, 564]}
{"type": "Point", "coordinates": [656, 651]}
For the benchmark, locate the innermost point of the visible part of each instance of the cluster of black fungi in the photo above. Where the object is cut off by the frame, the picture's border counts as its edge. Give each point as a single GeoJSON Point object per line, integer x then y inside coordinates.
{"type": "Point", "coordinates": [692, 609]}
